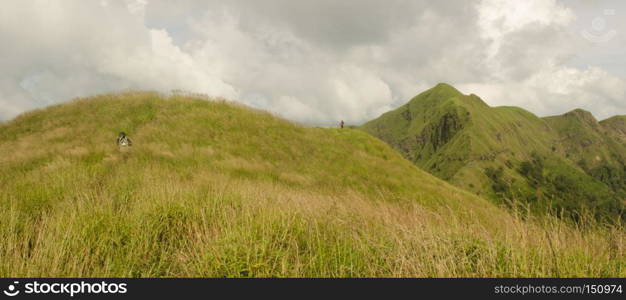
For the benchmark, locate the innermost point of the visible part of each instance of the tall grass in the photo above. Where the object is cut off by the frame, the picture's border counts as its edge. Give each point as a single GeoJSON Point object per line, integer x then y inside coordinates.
{"type": "Point", "coordinates": [217, 190]}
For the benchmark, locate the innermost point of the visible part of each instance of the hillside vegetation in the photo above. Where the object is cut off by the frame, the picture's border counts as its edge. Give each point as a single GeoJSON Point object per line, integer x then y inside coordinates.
{"type": "Point", "coordinates": [568, 164]}
{"type": "Point", "coordinates": [215, 189]}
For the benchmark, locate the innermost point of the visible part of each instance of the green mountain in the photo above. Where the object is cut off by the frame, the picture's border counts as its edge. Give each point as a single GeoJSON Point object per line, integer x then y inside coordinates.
{"type": "Point", "coordinates": [508, 154]}
{"type": "Point", "coordinates": [616, 126]}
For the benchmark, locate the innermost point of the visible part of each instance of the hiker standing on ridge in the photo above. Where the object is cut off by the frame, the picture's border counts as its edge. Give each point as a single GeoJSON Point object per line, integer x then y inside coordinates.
{"type": "Point", "coordinates": [341, 124]}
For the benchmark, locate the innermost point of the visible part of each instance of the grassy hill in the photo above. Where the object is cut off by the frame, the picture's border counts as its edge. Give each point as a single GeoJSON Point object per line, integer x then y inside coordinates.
{"type": "Point", "coordinates": [616, 126]}
{"type": "Point", "coordinates": [211, 188]}
{"type": "Point", "coordinates": [568, 162]}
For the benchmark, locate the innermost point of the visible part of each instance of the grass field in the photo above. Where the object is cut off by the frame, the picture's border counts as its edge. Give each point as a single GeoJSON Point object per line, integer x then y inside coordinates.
{"type": "Point", "coordinates": [214, 189]}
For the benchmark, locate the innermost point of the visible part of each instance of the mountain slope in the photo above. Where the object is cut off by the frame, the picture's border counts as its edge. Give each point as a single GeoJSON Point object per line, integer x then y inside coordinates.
{"type": "Point", "coordinates": [598, 148]}
{"type": "Point", "coordinates": [215, 189]}
{"type": "Point", "coordinates": [504, 153]}
{"type": "Point", "coordinates": [616, 126]}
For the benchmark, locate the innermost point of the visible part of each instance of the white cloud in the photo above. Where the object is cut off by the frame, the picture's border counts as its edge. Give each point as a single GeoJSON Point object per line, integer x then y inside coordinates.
{"type": "Point", "coordinates": [361, 91]}
{"type": "Point", "coordinates": [77, 48]}
{"type": "Point", "coordinates": [531, 42]}
{"type": "Point", "coordinates": [162, 65]}
{"type": "Point", "coordinates": [137, 7]}
{"type": "Point", "coordinates": [310, 61]}
{"type": "Point", "coordinates": [556, 90]}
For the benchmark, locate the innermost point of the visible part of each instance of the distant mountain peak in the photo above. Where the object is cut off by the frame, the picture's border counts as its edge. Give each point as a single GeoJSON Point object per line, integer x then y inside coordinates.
{"type": "Point", "coordinates": [438, 94]}
{"type": "Point", "coordinates": [615, 119]}
{"type": "Point", "coordinates": [579, 112]}
{"type": "Point", "coordinates": [583, 116]}
{"type": "Point", "coordinates": [446, 88]}
{"type": "Point", "coordinates": [616, 125]}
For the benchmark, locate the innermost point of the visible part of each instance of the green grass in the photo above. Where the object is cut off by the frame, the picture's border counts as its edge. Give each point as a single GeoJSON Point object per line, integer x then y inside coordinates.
{"type": "Point", "coordinates": [215, 189]}
{"type": "Point", "coordinates": [459, 138]}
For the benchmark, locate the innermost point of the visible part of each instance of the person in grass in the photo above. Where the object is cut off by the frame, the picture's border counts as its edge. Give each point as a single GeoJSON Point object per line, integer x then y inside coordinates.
{"type": "Point", "coordinates": [123, 140]}
{"type": "Point", "coordinates": [341, 124]}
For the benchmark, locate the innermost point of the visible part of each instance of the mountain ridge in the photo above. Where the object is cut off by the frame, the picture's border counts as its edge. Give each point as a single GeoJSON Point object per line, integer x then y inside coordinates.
{"type": "Point", "coordinates": [492, 150]}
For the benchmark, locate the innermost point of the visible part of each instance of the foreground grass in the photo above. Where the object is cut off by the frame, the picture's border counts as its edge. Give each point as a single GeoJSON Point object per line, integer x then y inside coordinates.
{"type": "Point", "coordinates": [213, 189]}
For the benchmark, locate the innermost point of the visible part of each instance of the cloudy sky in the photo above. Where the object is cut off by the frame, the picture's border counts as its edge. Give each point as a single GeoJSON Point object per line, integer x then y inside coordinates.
{"type": "Point", "coordinates": [317, 61]}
